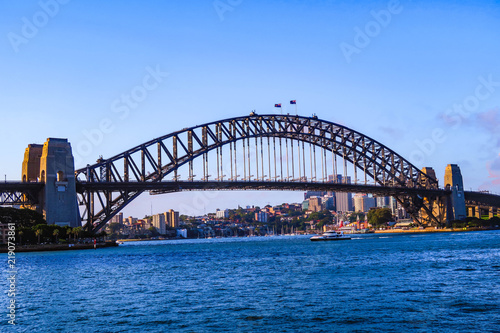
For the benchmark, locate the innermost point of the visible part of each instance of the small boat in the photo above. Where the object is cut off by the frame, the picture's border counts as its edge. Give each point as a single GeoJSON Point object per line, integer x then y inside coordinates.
{"type": "Point", "coordinates": [330, 236]}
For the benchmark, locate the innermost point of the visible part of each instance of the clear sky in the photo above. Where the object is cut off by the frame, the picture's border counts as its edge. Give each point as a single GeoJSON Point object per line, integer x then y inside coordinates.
{"type": "Point", "coordinates": [421, 77]}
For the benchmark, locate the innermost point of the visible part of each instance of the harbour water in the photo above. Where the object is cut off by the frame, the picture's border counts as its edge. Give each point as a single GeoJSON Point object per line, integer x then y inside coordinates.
{"type": "Point", "coordinates": [441, 282]}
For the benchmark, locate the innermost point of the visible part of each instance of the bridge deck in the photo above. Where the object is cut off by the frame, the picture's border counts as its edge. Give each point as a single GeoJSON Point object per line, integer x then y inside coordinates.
{"type": "Point", "coordinates": [175, 186]}
{"type": "Point", "coordinates": [19, 193]}
{"type": "Point", "coordinates": [15, 186]}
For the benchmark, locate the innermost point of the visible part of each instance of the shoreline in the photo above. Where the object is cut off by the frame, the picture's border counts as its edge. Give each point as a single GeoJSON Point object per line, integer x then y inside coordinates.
{"type": "Point", "coordinates": [430, 230]}
{"type": "Point", "coordinates": [59, 247]}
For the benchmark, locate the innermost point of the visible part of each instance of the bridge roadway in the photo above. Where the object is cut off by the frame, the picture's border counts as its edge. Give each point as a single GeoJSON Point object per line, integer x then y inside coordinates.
{"type": "Point", "coordinates": [16, 193]}
{"type": "Point", "coordinates": [176, 186]}
{"type": "Point", "coordinates": [11, 192]}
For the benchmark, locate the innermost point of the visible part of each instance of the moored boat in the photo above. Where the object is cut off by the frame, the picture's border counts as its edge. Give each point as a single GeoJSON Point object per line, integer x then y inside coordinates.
{"type": "Point", "coordinates": [330, 235]}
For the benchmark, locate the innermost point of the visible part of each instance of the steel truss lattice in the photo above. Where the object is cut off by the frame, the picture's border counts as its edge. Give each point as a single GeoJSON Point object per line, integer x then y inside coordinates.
{"type": "Point", "coordinates": [151, 162]}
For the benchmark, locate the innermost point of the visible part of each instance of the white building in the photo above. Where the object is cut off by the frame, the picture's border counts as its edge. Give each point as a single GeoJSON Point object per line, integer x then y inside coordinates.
{"type": "Point", "coordinates": [222, 214]}
{"type": "Point", "coordinates": [363, 203]}
{"type": "Point", "coordinates": [159, 223]}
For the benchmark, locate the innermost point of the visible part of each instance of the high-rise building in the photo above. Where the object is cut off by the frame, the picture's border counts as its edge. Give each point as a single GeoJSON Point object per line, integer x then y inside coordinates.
{"type": "Point", "coordinates": [359, 202]}
{"type": "Point", "coordinates": [310, 194]}
{"type": "Point", "coordinates": [159, 223]}
{"type": "Point", "coordinates": [328, 202]}
{"type": "Point", "coordinates": [363, 202]}
{"type": "Point", "coordinates": [118, 218]}
{"type": "Point", "coordinates": [343, 199]}
{"type": "Point", "coordinates": [383, 202]}
{"type": "Point", "coordinates": [172, 218]}
{"type": "Point", "coordinates": [369, 203]}
{"type": "Point", "coordinates": [315, 204]}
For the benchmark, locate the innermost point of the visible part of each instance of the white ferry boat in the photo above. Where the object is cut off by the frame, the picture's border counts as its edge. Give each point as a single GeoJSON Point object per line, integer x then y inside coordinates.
{"type": "Point", "coordinates": [330, 236]}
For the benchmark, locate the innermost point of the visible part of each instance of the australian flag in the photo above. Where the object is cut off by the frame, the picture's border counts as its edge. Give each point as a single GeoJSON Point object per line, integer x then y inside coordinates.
{"type": "Point", "coordinates": [293, 102]}
{"type": "Point", "coordinates": [277, 105]}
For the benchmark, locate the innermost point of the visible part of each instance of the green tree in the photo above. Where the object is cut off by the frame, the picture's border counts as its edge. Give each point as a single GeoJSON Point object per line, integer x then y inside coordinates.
{"type": "Point", "coordinates": [353, 217]}
{"type": "Point", "coordinates": [115, 227]}
{"type": "Point", "coordinates": [154, 231]}
{"type": "Point", "coordinates": [26, 218]}
{"type": "Point", "coordinates": [379, 216]}
{"type": "Point", "coordinates": [38, 233]}
{"type": "Point", "coordinates": [55, 234]}
{"type": "Point", "coordinates": [77, 231]}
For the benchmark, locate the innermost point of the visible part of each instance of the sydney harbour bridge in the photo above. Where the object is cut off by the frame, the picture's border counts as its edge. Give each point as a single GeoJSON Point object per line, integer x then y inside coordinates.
{"type": "Point", "coordinates": [255, 152]}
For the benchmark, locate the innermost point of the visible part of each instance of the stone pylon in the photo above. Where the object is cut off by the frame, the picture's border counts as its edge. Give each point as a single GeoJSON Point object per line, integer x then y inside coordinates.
{"type": "Point", "coordinates": [453, 181]}
{"type": "Point", "coordinates": [53, 165]}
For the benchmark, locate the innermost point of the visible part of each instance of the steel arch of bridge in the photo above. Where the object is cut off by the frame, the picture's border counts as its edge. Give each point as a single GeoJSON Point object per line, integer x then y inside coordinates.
{"type": "Point", "coordinates": [110, 184]}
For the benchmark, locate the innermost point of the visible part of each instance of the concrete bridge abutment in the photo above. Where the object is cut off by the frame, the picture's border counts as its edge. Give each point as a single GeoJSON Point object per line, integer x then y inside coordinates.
{"type": "Point", "coordinates": [453, 181]}
{"type": "Point", "coordinates": [52, 164]}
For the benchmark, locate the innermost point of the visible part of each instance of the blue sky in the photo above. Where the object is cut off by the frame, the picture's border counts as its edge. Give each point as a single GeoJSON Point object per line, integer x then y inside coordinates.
{"type": "Point", "coordinates": [423, 68]}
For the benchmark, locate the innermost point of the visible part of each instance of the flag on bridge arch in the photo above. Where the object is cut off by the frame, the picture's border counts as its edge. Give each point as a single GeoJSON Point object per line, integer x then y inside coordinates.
{"type": "Point", "coordinates": [293, 102]}
{"type": "Point", "coordinates": [277, 105]}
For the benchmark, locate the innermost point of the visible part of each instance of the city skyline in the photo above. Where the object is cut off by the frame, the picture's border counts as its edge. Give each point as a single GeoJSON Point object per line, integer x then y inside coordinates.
{"type": "Point", "coordinates": [423, 79]}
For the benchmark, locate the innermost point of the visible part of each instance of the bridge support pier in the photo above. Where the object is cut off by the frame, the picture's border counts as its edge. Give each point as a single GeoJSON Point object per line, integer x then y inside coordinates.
{"type": "Point", "coordinates": [54, 167]}
{"type": "Point", "coordinates": [470, 211]}
{"type": "Point", "coordinates": [454, 182]}
{"type": "Point", "coordinates": [477, 212]}
{"type": "Point", "coordinates": [492, 212]}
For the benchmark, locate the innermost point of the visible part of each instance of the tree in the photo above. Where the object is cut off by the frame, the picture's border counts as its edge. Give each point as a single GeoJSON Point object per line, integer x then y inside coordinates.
{"type": "Point", "coordinates": [353, 217]}
{"type": "Point", "coordinates": [115, 227]}
{"type": "Point", "coordinates": [154, 231]}
{"type": "Point", "coordinates": [25, 218]}
{"type": "Point", "coordinates": [379, 216]}
{"type": "Point", "coordinates": [77, 231]}
{"type": "Point", "coordinates": [356, 216]}
{"type": "Point", "coordinates": [38, 233]}
{"type": "Point", "coordinates": [55, 233]}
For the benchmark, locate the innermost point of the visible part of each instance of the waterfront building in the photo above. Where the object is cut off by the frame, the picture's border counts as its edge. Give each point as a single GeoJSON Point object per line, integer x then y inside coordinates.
{"type": "Point", "coordinates": [222, 214]}
{"type": "Point", "coordinates": [159, 223]}
{"type": "Point", "coordinates": [305, 205]}
{"type": "Point", "coordinates": [130, 220]}
{"type": "Point", "coordinates": [172, 218]}
{"type": "Point", "coordinates": [261, 216]}
{"type": "Point", "coordinates": [118, 218]}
